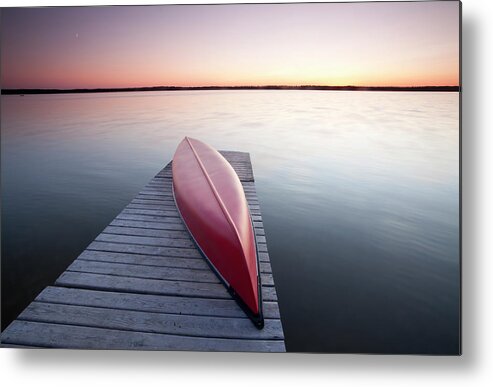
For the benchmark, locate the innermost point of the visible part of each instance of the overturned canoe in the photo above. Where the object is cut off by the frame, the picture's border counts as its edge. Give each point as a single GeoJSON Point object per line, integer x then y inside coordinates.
{"type": "Point", "coordinates": [212, 203]}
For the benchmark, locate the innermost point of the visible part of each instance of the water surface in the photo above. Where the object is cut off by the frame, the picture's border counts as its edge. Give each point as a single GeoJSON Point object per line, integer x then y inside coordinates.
{"type": "Point", "coordinates": [359, 192]}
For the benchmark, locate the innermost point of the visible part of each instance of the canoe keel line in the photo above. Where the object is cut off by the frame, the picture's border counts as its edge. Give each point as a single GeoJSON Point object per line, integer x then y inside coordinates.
{"type": "Point", "coordinates": [212, 204]}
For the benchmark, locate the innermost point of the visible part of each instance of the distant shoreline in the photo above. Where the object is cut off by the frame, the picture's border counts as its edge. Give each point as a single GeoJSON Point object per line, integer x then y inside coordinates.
{"type": "Point", "coordinates": [182, 88]}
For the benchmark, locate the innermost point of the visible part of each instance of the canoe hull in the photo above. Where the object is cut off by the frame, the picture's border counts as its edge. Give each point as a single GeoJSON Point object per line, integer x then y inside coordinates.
{"type": "Point", "coordinates": [213, 206]}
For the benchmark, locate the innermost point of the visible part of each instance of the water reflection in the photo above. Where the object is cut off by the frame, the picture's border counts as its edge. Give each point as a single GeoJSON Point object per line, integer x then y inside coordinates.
{"type": "Point", "coordinates": [359, 192]}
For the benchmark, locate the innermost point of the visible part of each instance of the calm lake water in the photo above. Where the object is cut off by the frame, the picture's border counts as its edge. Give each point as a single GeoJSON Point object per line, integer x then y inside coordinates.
{"type": "Point", "coordinates": [359, 193]}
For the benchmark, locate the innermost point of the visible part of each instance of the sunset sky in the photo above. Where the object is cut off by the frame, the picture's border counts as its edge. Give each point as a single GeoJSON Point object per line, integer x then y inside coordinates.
{"type": "Point", "coordinates": [362, 44]}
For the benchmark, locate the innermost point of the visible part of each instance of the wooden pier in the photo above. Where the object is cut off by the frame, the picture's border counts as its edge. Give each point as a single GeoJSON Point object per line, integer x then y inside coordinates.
{"type": "Point", "coordinates": [143, 284]}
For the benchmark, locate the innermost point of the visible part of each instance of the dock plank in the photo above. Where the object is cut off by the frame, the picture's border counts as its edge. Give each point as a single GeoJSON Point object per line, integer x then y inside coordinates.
{"type": "Point", "coordinates": [148, 260]}
{"type": "Point", "coordinates": [147, 232]}
{"type": "Point", "coordinates": [142, 285]}
{"type": "Point", "coordinates": [142, 249]}
{"type": "Point", "coordinates": [129, 320]}
{"type": "Point", "coordinates": [165, 262]}
{"type": "Point", "coordinates": [143, 271]}
{"type": "Point", "coordinates": [151, 286]}
{"type": "Point", "coordinates": [147, 224]}
{"type": "Point", "coordinates": [79, 337]}
{"type": "Point", "coordinates": [146, 240]}
{"type": "Point", "coordinates": [150, 303]}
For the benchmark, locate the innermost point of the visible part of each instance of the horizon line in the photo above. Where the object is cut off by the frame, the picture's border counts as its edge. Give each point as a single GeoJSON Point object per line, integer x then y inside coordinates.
{"type": "Point", "coordinates": [10, 91]}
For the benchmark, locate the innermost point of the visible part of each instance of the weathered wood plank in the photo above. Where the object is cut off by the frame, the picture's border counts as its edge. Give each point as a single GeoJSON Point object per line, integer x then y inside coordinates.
{"type": "Point", "coordinates": [122, 222]}
{"type": "Point", "coordinates": [151, 271]}
{"type": "Point", "coordinates": [159, 198]}
{"type": "Point", "coordinates": [263, 256]}
{"type": "Point", "coordinates": [141, 271]}
{"type": "Point", "coordinates": [151, 206]}
{"type": "Point", "coordinates": [164, 174]}
{"type": "Point", "coordinates": [240, 166]}
{"type": "Point", "coordinates": [147, 241]}
{"type": "Point", "coordinates": [160, 213]}
{"type": "Point", "coordinates": [141, 285]}
{"type": "Point", "coordinates": [155, 225]}
{"type": "Point", "coordinates": [160, 186]}
{"type": "Point", "coordinates": [167, 175]}
{"type": "Point", "coordinates": [150, 260]}
{"type": "Point", "coordinates": [146, 250]}
{"type": "Point", "coordinates": [164, 202]}
{"type": "Point", "coordinates": [148, 232]}
{"type": "Point", "coordinates": [167, 182]}
{"type": "Point", "coordinates": [151, 286]}
{"type": "Point", "coordinates": [259, 231]}
{"type": "Point", "coordinates": [262, 247]}
{"type": "Point", "coordinates": [156, 192]}
{"type": "Point", "coordinates": [69, 336]}
{"type": "Point", "coordinates": [265, 267]}
{"type": "Point", "coordinates": [149, 218]}
{"type": "Point", "coordinates": [129, 320]}
{"type": "Point", "coordinates": [260, 239]}
{"type": "Point", "coordinates": [266, 279]}
{"type": "Point", "coordinates": [269, 293]}
{"type": "Point", "coordinates": [150, 303]}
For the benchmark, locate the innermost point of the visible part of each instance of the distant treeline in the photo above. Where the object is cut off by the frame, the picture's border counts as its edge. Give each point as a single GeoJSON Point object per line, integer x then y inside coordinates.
{"type": "Point", "coordinates": [178, 88]}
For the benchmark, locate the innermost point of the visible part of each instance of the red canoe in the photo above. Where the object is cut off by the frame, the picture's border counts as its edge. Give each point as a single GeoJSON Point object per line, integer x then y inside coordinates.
{"type": "Point", "coordinates": [212, 203]}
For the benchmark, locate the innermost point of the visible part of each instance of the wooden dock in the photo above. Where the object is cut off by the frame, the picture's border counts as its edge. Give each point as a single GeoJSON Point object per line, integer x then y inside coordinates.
{"type": "Point", "coordinates": [142, 284]}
